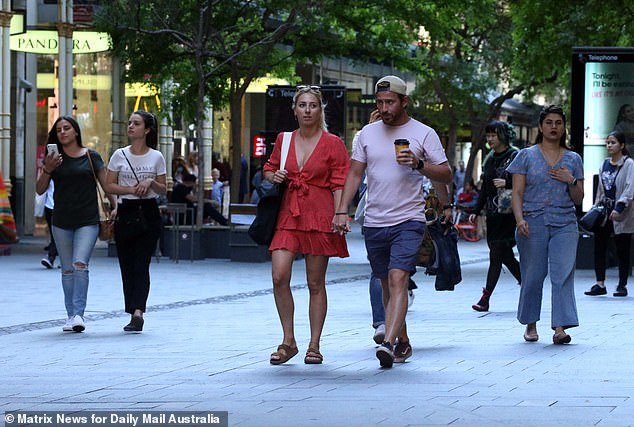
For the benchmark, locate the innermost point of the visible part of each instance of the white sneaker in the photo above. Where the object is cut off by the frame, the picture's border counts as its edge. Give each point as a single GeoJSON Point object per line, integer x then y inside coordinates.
{"type": "Point", "coordinates": [410, 298]}
{"type": "Point", "coordinates": [379, 334]}
{"type": "Point", "coordinates": [68, 326]}
{"type": "Point", "coordinates": [78, 324]}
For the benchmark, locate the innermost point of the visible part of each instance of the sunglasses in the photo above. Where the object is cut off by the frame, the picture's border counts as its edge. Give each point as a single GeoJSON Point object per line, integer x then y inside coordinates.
{"type": "Point", "coordinates": [309, 87]}
{"type": "Point", "coordinates": [384, 86]}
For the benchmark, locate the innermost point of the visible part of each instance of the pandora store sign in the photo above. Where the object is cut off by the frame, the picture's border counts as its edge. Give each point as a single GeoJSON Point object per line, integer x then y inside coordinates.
{"type": "Point", "coordinates": [47, 42]}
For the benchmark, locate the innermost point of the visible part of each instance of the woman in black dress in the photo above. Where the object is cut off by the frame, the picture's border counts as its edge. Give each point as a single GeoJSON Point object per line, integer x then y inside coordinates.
{"type": "Point", "coordinates": [496, 202]}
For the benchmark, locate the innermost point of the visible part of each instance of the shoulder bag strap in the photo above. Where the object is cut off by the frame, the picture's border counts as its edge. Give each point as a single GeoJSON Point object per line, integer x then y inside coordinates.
{"type": "Point", "coordinates": [606, 201]}
{"type": "Point", "coordinates": [131, 168]}
{"type": "Point", "coordinates": [100, 191]}
{"type": "Point", "coordinates": [286, 143]}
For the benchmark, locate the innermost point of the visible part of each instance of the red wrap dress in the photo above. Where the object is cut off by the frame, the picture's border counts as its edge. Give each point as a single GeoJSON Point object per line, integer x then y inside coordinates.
{"type": "Point", "coordinates": [305, 218]}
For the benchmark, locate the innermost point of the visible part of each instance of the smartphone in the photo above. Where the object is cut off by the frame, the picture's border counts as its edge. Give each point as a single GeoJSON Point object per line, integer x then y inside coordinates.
{"type": "Point", "coordinates": [52, 148]}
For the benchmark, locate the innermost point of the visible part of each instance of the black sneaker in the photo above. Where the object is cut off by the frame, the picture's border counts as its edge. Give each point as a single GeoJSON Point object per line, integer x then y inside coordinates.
{"type": "Point", "coordinates": [597, 290]}
{"type": "Point", "coordinates": [621, 291]}
{"type": "Point", "coordinates": [385, 355]}
{"type": "Point", "coordinates": [48, 262]}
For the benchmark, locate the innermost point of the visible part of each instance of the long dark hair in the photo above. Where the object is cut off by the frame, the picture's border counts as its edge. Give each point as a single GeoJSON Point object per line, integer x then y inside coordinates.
{"type": "Point", "coordinates": [151, 138]}
{"type": "Point", "coordinates": [620, 136]}
{"type": "Point", "coordinates": [552, 109]}
{"type": "Point", "coordinates": [504, 131]}
{"type": "Point", "coordinates": [52, 134]}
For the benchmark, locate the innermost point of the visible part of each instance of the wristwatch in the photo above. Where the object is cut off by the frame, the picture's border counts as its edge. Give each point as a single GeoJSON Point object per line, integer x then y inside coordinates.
{"type": "Point", "coordinates": [573, 183]}
{"type": "Point", "coordinates": [419, 165]}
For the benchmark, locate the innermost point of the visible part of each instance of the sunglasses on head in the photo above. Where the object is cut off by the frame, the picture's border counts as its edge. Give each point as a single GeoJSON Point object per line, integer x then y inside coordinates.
{"type": "Point", "coordinates": [383, 86]}
{"type": "Point", "coordinates": [309, 87]}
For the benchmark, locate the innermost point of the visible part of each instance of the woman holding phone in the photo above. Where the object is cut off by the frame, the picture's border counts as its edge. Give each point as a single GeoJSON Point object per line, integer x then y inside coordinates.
{"type": "Point", "coordinates": [75, 220]}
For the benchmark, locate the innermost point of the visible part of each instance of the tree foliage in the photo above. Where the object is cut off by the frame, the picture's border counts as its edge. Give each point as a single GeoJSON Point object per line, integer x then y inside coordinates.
{"type": "Point", "coordinates": [544, 35]}
{"type": "Point", "coordinates": [465, 76]}
{"type": "Point", "coordinates": [472, 55]}
{"type": "Point", "coordinates": [207, 48]}
{"type": "Point", "coordinates": [478, 53]}
{"type": "Point", "coordinates": [213, 49]}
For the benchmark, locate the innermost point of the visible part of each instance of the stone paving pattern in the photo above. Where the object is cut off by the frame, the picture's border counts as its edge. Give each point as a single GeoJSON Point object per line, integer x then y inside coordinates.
{"type": "Point", "coordinates": [211, 326]}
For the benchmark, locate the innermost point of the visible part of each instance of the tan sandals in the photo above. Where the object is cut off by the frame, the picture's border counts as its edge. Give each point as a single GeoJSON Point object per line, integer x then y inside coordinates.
{"type": "Point", "coordinates": [561, 338]}
{"type": "Point", "coordinates": [313, 357]}
{"type": "Point", "coordinates": [530, 334]}
{"type": "Point", "coordinates": [283, 354]}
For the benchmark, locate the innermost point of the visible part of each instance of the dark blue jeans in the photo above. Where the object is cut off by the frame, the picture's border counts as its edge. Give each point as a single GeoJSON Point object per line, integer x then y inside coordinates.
{"type": "Point", "coordinates": [376, 301]}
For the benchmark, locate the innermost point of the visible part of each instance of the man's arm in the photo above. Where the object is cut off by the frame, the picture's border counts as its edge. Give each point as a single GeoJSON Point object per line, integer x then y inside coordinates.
{"type": "Point", "coordinates": [440, 173]}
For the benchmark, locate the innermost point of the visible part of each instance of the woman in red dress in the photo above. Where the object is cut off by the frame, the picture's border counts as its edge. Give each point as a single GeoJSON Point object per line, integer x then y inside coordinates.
{"type": "Point", "coordinates": [314, 174]}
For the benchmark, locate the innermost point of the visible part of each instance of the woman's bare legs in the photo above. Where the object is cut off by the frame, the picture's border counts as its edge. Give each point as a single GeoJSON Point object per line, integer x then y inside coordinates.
{"type": "Point", "coordinates": [282, 264]}
{"type": "Point", "coordinates": [316, 266]}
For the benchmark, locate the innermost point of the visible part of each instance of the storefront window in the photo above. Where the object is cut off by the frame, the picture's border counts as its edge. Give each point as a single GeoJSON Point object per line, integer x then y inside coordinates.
{"type": "Point", "coordinates": [92, 103]}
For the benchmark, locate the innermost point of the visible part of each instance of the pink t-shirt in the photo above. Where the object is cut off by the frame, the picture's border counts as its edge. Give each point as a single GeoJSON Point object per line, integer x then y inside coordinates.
{"type": "Point", "coordinates": [395, 192]}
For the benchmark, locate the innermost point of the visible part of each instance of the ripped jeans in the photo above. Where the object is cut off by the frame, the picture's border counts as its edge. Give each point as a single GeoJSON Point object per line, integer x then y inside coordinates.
{"type": "Point", "coordinates": [75, 248]}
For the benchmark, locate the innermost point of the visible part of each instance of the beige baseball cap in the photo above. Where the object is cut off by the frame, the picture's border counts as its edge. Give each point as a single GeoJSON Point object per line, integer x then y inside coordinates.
{"type": "Point", "coordinates": [391, 84]}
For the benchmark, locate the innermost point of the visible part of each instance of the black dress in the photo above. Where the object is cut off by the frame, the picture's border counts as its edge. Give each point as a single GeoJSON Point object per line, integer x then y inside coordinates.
{"type": "Point", "coordinates": [500, 227]}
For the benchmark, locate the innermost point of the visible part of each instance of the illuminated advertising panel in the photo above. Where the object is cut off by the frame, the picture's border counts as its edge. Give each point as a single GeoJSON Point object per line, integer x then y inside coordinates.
{"type": "Point", "coordinates": [259, 146]}
{"type": "Point", "coordinates": [602, 90]}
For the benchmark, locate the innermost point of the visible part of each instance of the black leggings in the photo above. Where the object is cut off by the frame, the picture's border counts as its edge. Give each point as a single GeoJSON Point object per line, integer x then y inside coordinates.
{"type": "Point", "coordinates": [498, 255]}
{"type": "Point", "coordinates": [622, 243]}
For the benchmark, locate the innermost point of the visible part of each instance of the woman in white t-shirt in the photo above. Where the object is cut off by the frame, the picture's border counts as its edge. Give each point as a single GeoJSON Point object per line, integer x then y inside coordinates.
{"type": "Point", "coordinates": [136, 174]}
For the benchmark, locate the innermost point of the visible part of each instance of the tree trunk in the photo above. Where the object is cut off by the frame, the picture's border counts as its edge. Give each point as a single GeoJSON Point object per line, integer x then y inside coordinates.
{"type": "Point", "coordinates": [235, 106]}
{"type": "Point", "coordinates": [452, 138]}
{"type": "Point", "coordinates": [200, 117]}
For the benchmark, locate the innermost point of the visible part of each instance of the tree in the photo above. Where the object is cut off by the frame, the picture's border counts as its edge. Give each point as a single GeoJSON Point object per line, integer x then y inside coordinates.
{"type": "Point", "coordinates": [214, 49]}
{"type": "Point", "coordinates": [545, 39]}
{"type": "Point", "coordinates": [200, 43]}
{"type": "Point", "coordinates": [465, 78]}
{"type": "Point", "coordinates": [477, 54]}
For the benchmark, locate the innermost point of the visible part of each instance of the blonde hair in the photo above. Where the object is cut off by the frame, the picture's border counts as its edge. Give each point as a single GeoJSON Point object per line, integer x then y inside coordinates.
{"type": "Point", "coordinates": [316, 92]}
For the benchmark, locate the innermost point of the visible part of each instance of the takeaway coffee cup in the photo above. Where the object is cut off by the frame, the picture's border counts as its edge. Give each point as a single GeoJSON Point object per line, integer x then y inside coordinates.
{"type": "Point", "coordinates": [400, 144]}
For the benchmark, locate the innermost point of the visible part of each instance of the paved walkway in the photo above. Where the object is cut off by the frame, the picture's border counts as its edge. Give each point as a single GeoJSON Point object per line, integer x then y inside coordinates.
{"type": "Point", "coordinates": [212, 325]}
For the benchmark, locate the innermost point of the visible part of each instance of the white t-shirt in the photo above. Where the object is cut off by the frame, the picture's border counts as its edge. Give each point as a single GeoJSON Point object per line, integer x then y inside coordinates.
{"type": "Point", "coordinates": [395, 193]}
{"type": "Point", "coordinates": [149, 165]}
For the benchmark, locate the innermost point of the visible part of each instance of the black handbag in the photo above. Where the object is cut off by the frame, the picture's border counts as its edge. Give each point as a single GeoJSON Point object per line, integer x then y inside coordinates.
{"type": "Point", "coordinates": [597, 216]}
{"type": "Point", "coordinates": [444, 262]}
{"type": "Point", "coordinates": [262, 229]}
{"type": "Point", "coordinates": [593, 219]}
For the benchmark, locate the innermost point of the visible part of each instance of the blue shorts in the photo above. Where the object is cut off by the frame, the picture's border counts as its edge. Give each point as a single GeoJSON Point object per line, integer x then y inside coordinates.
{"type": "Point", "coordinates": [392, 247]}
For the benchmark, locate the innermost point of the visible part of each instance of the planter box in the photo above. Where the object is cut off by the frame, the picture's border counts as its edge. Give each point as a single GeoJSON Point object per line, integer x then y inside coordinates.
{"type": "Point", "coordinates": [184, 243]}
{"type": "Point", "coordinates": [215, 241]}
{"type": "Point", "coordinates": [243, 249]}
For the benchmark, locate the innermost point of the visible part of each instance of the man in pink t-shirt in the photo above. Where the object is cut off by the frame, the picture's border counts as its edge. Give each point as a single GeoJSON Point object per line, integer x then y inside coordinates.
{"type": "Point", "coordinates": [395, 208]}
